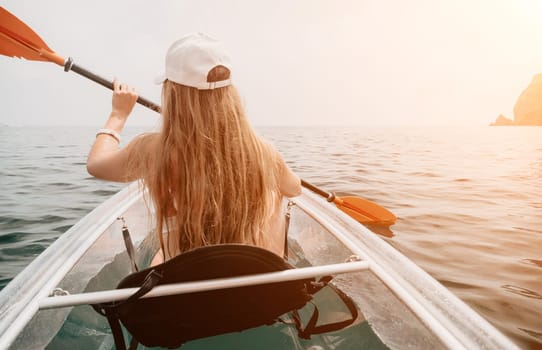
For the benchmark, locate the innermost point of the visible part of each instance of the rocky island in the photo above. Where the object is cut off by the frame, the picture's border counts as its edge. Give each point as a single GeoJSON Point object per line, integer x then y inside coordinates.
{"type": "Point", "coordinates": [528, 108]}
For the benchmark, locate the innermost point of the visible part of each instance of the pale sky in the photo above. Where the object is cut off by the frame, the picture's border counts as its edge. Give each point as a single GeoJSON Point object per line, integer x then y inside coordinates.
{"type": "Point", "coordinates": [296, 63]}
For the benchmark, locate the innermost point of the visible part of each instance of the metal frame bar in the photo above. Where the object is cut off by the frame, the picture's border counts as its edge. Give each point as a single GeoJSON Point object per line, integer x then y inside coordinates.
{"type": "Point", "coordinates": [199, 286]}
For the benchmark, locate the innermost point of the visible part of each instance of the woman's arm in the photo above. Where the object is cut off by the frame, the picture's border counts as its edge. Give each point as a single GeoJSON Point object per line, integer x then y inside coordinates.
{"type": "Point", "coordinates": [106, 160]}
{"type": "Point", "coordinates": [289, 184]}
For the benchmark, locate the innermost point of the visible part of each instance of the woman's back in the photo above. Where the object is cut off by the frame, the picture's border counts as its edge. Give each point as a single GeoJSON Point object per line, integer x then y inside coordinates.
{"type": "Point", "coordinates": [212, 180]}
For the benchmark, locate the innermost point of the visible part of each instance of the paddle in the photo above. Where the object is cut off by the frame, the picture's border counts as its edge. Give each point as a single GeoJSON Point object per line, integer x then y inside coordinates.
{"type": "Point", "coordinates": [362, 210]}
{"type": "Point", "coordinates": [19, 40]}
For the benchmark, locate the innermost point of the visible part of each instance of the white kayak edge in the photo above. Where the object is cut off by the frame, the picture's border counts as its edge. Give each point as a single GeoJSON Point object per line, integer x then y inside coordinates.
{"type": "Point", "coordinates": [44, 273]}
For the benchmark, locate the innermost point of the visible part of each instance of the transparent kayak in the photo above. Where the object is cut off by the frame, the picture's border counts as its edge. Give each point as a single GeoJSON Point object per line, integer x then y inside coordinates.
{"type": "Point", "coordinates": [400, 305]}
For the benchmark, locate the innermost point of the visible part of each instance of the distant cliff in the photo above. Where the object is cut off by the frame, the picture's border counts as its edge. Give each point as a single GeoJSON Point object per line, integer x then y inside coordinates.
{"type": "Point", "coordinates": [528, 108]}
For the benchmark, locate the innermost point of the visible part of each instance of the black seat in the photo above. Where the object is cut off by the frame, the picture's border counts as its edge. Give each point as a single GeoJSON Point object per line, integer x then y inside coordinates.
{"type": "Point", "coordinates": [170, 321]}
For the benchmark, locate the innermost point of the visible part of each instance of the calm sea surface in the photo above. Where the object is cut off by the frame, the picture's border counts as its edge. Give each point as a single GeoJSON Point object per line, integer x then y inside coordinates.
{"type": "Point", "coordinates": [469, 201]}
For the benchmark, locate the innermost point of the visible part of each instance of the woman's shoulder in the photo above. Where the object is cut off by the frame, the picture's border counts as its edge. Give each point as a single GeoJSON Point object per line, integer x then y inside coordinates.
{"type": "Point", "coordinates": [141, 150]}
{"type": "Point", "coordinates": [270, 149]}
{"type": "Point", "coordinates": [145, 142]}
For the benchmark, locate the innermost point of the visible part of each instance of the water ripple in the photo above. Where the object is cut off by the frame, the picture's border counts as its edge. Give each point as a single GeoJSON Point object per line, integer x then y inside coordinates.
{"type": "Point", "coordinates": [522, 291]}
{"type": "Point", "coordinates": [12, 237]}
{"type": "Point", "coordinates": [534, 262]}
{"type": "Point", "coordinates": [534, 334]}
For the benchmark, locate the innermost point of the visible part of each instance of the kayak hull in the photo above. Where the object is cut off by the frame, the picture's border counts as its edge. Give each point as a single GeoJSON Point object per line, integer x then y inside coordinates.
{"type": "Point", "coordinates": [401, 305]}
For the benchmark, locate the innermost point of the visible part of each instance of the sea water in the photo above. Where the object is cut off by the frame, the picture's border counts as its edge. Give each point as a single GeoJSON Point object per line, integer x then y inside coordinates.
{"type": "Point", "coordinates": [468, 201]}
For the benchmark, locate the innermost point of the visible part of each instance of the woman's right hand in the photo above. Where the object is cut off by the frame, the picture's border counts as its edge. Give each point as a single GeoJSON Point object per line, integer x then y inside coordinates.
{"type": "Point", "coordinates": [106, 160]}
{"type": "Point", "coordinates": [124, 99]}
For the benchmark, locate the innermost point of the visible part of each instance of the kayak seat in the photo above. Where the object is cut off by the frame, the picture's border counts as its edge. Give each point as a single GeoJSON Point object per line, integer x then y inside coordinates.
{"type": "Point", "coordinates": [170, 321]}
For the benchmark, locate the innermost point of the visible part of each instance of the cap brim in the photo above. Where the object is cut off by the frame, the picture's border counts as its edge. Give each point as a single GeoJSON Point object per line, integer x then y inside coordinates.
{"type": "Point", "coordinates": [160, 79]}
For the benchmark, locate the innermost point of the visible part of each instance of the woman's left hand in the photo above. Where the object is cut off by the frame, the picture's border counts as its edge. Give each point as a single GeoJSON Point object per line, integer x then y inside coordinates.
{"type": "Point", "coordinates": [124, 99]}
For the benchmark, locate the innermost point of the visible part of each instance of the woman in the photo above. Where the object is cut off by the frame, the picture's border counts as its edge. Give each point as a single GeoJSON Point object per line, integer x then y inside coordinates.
{"type": "Point", "coordinates": [212, 180]}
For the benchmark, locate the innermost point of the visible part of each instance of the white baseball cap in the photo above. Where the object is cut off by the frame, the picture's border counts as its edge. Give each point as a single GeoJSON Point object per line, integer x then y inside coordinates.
{"type": "Point", "coordinates": [190, 59]}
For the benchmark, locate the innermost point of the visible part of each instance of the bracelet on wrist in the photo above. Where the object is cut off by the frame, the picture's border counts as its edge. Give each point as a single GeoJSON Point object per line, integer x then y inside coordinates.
{"type": "Point", "coordinates": [109, 132]}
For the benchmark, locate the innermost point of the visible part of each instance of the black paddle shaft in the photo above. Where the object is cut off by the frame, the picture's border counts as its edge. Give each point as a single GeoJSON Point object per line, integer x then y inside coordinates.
{"type": "Point", "coordinates": [330, 196]}
{"type": "Point", "coordinates": [69, 65]}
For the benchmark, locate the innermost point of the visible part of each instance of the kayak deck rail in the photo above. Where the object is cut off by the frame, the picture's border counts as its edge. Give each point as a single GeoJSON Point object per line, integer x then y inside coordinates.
{"type": "Point", "coordinates": [200, 286]}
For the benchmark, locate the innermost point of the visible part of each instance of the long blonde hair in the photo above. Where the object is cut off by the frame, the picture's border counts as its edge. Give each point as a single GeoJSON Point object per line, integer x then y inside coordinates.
{"type": "Point", "coordinates": [211, 179]}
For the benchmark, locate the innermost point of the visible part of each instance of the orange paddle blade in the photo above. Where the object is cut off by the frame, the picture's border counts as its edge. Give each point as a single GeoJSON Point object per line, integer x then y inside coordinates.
{"type": "Point", "coordinates": [19, 40]}
{"type": "Point", "coordinates": [365, 211]}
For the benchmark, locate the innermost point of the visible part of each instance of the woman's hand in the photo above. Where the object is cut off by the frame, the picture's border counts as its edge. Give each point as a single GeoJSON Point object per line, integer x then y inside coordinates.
{"type": "Point", "coordinates": [124, 99]}
{"type": "Point", "coordinates": [106, 160]}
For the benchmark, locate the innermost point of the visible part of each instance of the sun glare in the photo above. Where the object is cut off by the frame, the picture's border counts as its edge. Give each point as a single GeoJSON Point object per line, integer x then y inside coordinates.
{"type": "Point", "coordinates": [531, 9]}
